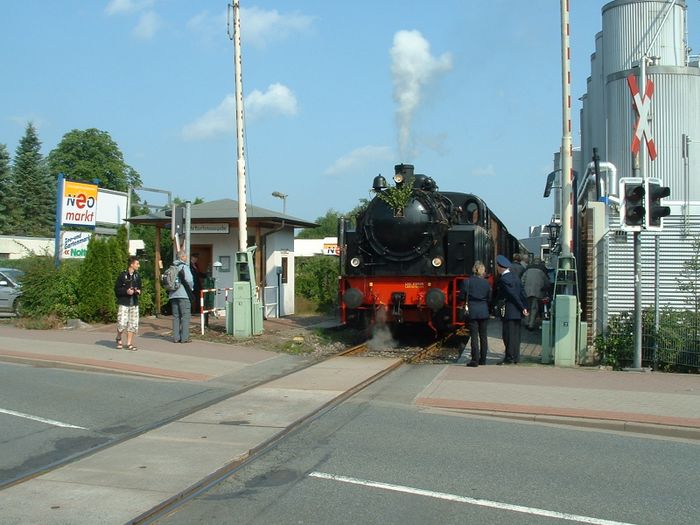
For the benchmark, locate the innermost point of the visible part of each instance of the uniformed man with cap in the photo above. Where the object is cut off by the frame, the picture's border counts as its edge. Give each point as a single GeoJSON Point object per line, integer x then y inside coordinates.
{"type": "Point", "coordinates": [509, 292]}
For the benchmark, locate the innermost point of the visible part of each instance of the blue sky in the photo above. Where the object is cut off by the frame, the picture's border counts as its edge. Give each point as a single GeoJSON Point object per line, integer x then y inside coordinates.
{"type": "Point", "coordinates": [326, 88]}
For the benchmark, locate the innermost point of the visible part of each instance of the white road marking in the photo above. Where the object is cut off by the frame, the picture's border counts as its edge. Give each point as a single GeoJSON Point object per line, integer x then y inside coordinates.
{"type": "Point", "coordinates": [40, 419]}
{"type": "Point", "coordinates": [471, 501]}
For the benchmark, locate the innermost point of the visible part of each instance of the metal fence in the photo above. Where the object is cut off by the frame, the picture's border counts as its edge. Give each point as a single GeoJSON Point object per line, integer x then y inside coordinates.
{"type": "Point", "coordinates": [677, 346]}
{"type": "Point", "coordinates": [671, 343]}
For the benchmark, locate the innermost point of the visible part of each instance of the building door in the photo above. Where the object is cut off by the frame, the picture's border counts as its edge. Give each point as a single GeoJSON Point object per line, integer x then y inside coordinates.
{"type": "Point", "coordinates": [204, 261]}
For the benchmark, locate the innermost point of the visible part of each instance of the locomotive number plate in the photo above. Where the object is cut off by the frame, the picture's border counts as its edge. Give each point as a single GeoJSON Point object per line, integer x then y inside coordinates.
{"type": "Point", "coordinates": [414, 285]}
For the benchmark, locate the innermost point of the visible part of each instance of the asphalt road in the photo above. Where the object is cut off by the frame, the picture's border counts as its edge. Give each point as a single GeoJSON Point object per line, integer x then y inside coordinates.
{"type": "Point", "coordinates": [40, 408]}
{"type": "Point", "coordinates": [449, 468]}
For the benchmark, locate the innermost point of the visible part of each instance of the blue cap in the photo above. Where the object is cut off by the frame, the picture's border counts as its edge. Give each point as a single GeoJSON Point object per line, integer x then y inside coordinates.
{"type": "Point", "coordinates": [503, 261]}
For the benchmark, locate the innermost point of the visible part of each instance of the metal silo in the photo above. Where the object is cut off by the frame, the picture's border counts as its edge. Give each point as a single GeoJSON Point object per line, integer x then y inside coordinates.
{"type": "Point", "coordinates": [597, 104]}
{"type": "Point", "coordinates": [629, 27]}
{"type": "Point", "coordinates": [675, 111]}
{"type": "Point", "coordinates": [634, 30]}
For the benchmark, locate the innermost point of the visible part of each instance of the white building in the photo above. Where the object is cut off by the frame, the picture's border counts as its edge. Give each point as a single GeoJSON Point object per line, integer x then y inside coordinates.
{"type": "Point", "coordinates": [311, 247]}
{"type": "Point", "coordinates": [214, 237]}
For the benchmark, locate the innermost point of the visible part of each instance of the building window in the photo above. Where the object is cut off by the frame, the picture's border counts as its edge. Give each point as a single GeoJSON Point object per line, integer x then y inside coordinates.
{"type": "Point", "coordinates": [285, 269]}
{"type": "Point", "coordinates": [225, 261]}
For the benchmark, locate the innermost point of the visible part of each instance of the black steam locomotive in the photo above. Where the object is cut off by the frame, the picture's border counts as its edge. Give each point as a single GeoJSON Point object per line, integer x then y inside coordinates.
{"type": "Point", "coordinates": [410, 250]}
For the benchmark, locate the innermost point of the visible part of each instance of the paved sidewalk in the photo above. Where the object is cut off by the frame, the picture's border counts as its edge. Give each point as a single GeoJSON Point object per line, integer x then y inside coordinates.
{"type": "Point", "coordinates": [94, 348]}
{"type": "Point", "coordinates": [644, 402]}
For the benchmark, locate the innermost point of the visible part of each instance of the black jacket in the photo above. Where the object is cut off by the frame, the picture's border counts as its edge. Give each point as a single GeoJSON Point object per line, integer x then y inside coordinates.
{"type": "Point", "coordinates": [479, 291]}
{"type": "Point", "coordinates": [124, 282]}
{"type": "Point", "coordinates": [510, 290]}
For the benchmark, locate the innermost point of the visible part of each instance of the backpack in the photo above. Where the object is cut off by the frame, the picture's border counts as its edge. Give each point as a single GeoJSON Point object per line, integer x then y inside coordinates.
{"type": "Point", "coordinates": [171, 278]}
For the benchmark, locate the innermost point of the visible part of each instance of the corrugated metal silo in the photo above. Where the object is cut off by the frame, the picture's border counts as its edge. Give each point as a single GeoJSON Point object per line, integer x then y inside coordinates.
{"type": "Point", "coordinates": [629, 27]}
{"type": "Point", "coordinates": [675, 110]}
{"type": "Point", "coordinates": [597, 101]}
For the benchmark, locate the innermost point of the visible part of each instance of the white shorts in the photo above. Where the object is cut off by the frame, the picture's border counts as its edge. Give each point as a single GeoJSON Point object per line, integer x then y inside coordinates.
{"type": "Point", "coordinates": [128, 317]}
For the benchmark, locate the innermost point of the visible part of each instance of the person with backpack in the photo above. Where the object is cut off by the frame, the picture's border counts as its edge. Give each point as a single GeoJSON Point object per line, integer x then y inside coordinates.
{"type": "Point", "coordinates": [127, 289]}
{"type": "Point", "coordinates": [180, 295]}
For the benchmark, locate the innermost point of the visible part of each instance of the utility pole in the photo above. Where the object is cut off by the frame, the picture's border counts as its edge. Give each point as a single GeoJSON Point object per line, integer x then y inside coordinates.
{"type": "Point", "coordinates": [567, 217]}
{"type": "Point", "coordinates": [240, 164]}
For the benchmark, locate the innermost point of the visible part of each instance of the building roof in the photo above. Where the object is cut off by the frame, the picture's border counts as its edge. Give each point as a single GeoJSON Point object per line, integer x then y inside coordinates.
{"type": "Point", "coordinates": [225, 210]}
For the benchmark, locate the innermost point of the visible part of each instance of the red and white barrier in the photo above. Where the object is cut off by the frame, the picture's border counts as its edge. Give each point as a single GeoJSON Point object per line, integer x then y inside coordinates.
{"type": "Point", "coordinates": [202, 311]}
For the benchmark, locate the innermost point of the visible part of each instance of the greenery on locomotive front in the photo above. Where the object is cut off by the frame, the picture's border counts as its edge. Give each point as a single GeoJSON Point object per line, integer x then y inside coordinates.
{"type": "Point", "coordinates": [397, 196]}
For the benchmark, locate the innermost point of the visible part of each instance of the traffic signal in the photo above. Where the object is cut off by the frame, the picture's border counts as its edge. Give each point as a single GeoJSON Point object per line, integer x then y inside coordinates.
{"type": "Point", "coordinates": [655, 192]}
{"type": "Point", "coordinates": [632, 211]}
{"type": "Point", "coordinates": [178, 222]}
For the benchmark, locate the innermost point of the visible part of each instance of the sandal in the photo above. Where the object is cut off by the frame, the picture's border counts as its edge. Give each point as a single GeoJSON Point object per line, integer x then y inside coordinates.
{"type": "Point", "coordinates": [119, 343]}
{"type": "Point", "coordinates": [131, 347]}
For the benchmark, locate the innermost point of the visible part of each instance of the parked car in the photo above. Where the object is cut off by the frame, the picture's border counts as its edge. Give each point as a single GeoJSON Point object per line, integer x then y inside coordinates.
{"type": "Point", "coordinates": [10, 289]}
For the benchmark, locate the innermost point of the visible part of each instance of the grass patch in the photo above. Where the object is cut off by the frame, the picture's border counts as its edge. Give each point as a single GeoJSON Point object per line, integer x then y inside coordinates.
{"type": "Point", "coordinates": [51, 322]}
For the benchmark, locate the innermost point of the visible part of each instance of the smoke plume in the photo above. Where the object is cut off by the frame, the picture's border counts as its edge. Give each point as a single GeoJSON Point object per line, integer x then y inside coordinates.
{"type": "Point", "coordinates": [412, 68]}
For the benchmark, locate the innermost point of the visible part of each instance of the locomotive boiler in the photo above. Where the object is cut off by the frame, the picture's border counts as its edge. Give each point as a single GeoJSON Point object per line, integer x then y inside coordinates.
{"type": "Point", "coordinates": [410, 250]}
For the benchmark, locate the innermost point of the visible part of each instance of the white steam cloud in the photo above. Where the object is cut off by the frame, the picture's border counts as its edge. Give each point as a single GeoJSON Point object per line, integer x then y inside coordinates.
{"type": "Point", "coordinates": [412, 68]}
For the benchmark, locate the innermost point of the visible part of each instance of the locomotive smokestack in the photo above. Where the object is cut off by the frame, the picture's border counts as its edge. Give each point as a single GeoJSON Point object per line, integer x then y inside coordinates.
{"type": "Point", "coordinates": [404, 169]}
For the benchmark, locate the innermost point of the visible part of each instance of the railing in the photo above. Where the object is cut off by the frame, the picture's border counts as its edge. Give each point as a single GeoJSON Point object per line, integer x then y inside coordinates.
{"type": "Point", "coordinates": [674, 345]}
{"type": "Point", "coordinates": [212, 310]}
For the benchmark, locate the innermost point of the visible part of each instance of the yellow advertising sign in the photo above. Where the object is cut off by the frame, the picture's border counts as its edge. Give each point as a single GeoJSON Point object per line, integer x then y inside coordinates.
{"type": "Point", "coordinates": [79, 203]}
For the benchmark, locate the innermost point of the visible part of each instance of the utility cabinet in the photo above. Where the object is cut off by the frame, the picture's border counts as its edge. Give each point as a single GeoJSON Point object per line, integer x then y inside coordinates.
{"type": "Point", "coordinates": [244, 314]}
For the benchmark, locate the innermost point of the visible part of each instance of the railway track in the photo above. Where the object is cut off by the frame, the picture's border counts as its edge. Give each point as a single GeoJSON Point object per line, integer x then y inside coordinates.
{"type": "Point", "coordinates": [409, 355]}
{"type": "Point", "coordinates": [435, 351]}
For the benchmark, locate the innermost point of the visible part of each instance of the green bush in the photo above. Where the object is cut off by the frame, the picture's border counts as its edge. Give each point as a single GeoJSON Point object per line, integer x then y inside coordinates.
{"type": "Point", "coordinates": [615, 347]}
{"type": "Point", "coordinates": [317, 281]}
{"type": "Point", "coordinates": [97, 278]}
{"type": "Point", "coordinates": [79, 288]}
{"type": "Point", "coordinates": [147, 299]}
{"type": "Point", "coordinates": [48, 291]}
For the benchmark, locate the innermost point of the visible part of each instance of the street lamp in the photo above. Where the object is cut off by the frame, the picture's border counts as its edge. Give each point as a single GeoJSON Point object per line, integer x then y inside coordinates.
{"type": "Point", "coordinates": [553, 228]}
{"type": "Point", "coordinates": [282, 196]}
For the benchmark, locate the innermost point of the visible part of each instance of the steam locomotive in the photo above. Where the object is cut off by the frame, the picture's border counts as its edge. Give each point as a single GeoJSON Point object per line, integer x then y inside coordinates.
{"type": "Point", "coordinates": [411, 248]}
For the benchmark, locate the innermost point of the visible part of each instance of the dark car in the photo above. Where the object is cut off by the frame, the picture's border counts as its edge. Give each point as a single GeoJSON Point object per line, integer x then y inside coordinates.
{"type": "Point", "coordinates": [10, 289]}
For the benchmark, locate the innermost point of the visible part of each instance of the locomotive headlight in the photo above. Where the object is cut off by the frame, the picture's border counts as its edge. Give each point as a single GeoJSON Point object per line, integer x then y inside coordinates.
{"type": "Point", "coordinates": [355, 262]}
{"type": "Point", "coordinates": [437, 262]}
{"type": "Point", "coordinates": [398, 178]}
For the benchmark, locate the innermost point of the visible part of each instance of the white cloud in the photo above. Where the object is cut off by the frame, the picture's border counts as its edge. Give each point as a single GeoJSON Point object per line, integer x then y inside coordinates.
{"type": "Point", "coordinates": [217, 121]}
{"type": "Point", "coordinates": [359, 160]}
{"type": "Point", "coordinates": [121, 7]}
{"type": "Point", "coordinates": [484, 171]}
{"type": "Point", "coordinates": [147, 26]}
{"type": "Point", "coordinates": [208, 27]}
{"type": "Point", "coordinates": [277, 100]}
{"type": "Point", "coordinates": [412, 68]}
{"type": "Point", "coordinates": [261, 27]}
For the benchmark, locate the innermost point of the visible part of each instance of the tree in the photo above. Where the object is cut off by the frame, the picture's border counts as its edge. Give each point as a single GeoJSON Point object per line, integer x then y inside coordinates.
{"type": "Point", "coordinates": [91, 156]}
{"type": "Point", "coordinates": [328, 224]}
{"type": "Point", "coordinates": [35, 192]}
{"type": "Point", "coordinates": [689, 280]}
{"type": "Point", "coordinates": [356, 211]}
{"type": "Point", "coordinates": [98, 274]}
{"type": "Point", "coordinates": [317, 281]}
{"type": "Point", "coordinates": [6, 191]}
